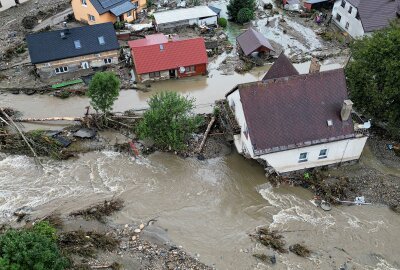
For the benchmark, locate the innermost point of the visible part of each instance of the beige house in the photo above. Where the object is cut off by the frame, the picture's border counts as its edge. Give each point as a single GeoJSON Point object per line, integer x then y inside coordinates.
{"type": "Point", "coordinates": [70, 50]}
{"type": "Point", "coordinates": [102, 11]}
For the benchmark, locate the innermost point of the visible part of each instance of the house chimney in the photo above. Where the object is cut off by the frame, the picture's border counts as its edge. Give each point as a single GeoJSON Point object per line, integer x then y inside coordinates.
{"type": "Point", "coordinates": [314, 66]}
{"type": "Point", "coordinates": [346, 109]}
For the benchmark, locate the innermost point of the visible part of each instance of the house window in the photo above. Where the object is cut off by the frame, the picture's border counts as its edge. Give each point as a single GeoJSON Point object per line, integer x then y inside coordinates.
{"type": "Point", "coordinates": [129, 13]}
{"type": "Point", "coordinates": [338, 17]}
{"type": "Point", "coordinates": [347, 25]}
{"type": "Point", "coordinates": [1, 5]}
{"type": "Point", "coordinates": [154, 74]}
{"type": "Point", "coordinates": [303, 157]}
{"type": "Point", "coordinates": [107, 61]}
{"type": "Point", "coordinates": [343, 4]}
{"type": "Point", "coordinates": [91, 18]}
{"type": "Point", "coordinates": [350, 9]}
{"type": "Point", "coordinates": [101, 40]}
{"type": "Point", "coordinates": [84, 3]}
{"type": "Point", "coordinates": [77, 44]}
{"type": "Point", "coordinates": [323, 153]}
{"type": "Point", "coordinates": [190, 69]}
{"type": "Point", "coordinates": [60, 70]}
{"type": "Point", "coordinates": [358, 16]}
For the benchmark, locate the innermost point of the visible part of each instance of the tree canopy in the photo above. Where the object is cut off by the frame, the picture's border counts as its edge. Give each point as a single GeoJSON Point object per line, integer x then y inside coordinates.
{"type": "Point", "coordinates": [235, 6]}
{"type": "Point", "coordinates": [373, 76]}
{"type": "Point", "coordinates": [103, 91]}
{"type": "Point", "coordinates": [169, 120]}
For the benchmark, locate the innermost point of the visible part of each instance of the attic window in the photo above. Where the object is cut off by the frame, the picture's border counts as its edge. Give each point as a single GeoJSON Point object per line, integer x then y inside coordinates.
{"type": "Point", "coordinates": [77, 44]}
{"type": "Point", "coordinates": [161, 47]}
{"type": "Point", "coordinates": [101, 40]}
{"type": "Point", "coordinates": [329, 123]}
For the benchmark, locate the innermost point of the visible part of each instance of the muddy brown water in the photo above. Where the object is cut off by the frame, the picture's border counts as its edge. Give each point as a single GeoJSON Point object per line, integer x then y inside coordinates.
{"type": "Point", "coordinates": [209, 207]}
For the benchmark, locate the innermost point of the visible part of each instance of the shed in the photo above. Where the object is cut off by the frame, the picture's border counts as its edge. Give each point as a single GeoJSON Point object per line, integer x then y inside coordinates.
{"type": "Point", "coordinates": [253, 41]}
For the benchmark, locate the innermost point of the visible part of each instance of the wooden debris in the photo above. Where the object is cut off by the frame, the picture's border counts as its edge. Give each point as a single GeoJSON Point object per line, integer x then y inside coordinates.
{"type": "Point", "coordinates": [206, 134]}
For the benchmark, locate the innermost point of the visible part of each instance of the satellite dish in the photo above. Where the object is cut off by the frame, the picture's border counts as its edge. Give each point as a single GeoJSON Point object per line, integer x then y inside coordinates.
{"type": "Point", "coordinates": [182, 69]}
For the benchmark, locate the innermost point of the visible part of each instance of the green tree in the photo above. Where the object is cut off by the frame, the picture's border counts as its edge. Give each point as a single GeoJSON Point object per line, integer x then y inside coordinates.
{"type": "Point", "coordinates": [169, 121]}
{"type": "Point", "coordinates": [34, 249]}
{"type": "Point", "coordinates": [245, 15]}
{"type": "Point", "coordinates": [373, 76]}
{"type": "Point", "coordinates": [222, 22]}
{"type": "Point", "coordinates": [235, 6]}
{"type": "Point", "coordinates": [103, 91]}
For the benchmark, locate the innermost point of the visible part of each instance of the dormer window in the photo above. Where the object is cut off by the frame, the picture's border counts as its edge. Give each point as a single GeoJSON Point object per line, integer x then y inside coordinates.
{"type": "Point", "coordinates": [101, 40]}
{"type": "Point", "coordinates": [77, 44]}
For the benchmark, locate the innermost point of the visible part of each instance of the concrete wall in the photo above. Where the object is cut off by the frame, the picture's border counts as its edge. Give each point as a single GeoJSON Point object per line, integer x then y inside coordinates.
{"type": "Point", "coordinates": [6, 4]}
{"type": "Point", "coordinates": [164, 75]}
{"type": "Point", "coordinates": [285, 161]}
{"type": "Point", "coordinates": [47, 70]}
{"type": "Point", "coordinates": [355, 28]}
{"type": "Point", "coordinates": [207, 21]}
{"type": "Point", "coordinates": [339, 151]}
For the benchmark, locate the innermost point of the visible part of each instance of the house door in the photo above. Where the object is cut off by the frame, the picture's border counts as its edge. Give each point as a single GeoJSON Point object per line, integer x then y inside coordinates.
{"type": "Point", "coordinates": [172, 73]}
{"type": "Point", "coordinates": [85, 65]}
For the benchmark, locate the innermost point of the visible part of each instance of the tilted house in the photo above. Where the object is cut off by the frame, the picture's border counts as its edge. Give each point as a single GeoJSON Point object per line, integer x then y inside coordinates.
{"type": "Point", "coordinates": [102, 11]}
{"type": "Point", "coordinates": [200, 15]}
{"type": "Point", "coordinates": [363, 17]}
{"type": "Point", "coordinates": [157, 57]}
{"type": "Point", "coordinates": [294, 122]}
{"type": "Point", "coordinates": [252, 41]}
{"type": "Point", "coordinates": [74, 49]}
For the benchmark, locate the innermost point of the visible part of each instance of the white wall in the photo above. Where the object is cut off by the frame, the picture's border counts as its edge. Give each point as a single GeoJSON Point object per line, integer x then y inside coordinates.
{"type": "Point", "coordinates": [6, 4]}
{"type": "Point", "coordinates": [355, 28]}
{"type": "Point", "coordinates": [208, 21]}
{"type": "Point", "coordinates": [164, 75]}
{"type": "Point", "coordinates": [339, 151]}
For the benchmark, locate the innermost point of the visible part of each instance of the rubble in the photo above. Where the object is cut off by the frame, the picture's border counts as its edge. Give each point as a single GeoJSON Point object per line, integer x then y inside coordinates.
{"type": "Point", "coordinates": [100, 210]}
{"type": "Point", "coordinates": [270, 239]}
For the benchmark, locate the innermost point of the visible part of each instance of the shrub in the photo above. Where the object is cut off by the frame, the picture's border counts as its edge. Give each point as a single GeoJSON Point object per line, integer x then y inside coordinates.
{"type": "Point", "coordinates": [30, 249]}
{"type": "Point", "coordinates": [222, 22]}
{"type": "Point", "coordinates": [235, 6]}
{"type": "Point", "coordinates": [245, 15]}
{"type": "Point", "coordinates": [169, 121]}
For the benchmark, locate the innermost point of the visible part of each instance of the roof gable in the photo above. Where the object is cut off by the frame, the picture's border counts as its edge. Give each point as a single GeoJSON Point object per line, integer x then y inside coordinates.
{"type": "Point", "coordinates": [55, 45]}
{"type": "Point", "coordinates": [169, 55]}
{"type": "Point", "coordinates": [293, 111]}
{"type": "Point", "coordinates": [251, 40]}
{"type": "Point", "coordinates": [282, 67]}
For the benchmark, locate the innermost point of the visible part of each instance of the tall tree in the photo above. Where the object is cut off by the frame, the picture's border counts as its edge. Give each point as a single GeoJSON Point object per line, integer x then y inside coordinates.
{"type": "Point", "coordinates": [169, 121]}
{"type": "Point", "coordinates": [103, 91]}
{"type": "Point", "coordinates": [373, 76]}
{"type": "Point", "coordinates": [235, 6]}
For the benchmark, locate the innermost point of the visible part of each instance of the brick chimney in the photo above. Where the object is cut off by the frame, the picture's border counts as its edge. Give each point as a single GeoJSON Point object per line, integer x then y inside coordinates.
{"type": "Point", "coordinates": [314, 66]}
{"type": "Point", "coordinates": [346, 109]}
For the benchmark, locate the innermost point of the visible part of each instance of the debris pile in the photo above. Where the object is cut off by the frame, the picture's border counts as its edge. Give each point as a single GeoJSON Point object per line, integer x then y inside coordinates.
{"type": "Point", "coordinates": [300, 250]}
{"type": "Point", "coordinates": [270, 239]}
{"type": "Point", "coordinates": [99, 211]}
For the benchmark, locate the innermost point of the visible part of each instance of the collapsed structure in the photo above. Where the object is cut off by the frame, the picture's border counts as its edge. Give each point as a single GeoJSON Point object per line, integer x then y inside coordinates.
{"type": "Point", "coordinates": [293, 121]}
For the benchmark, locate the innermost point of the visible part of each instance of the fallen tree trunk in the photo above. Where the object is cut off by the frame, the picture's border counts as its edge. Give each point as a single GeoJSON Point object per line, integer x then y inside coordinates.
{"type": "Point", "coordinates": [206, 134]}
{"type": "Point", "coordinates": [49, 119]}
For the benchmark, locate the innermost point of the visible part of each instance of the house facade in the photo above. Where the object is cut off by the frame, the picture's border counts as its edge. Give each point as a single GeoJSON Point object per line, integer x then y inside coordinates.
{"type": "Point", "coordinates": [158, 57]}
{"type": "Point", "coordinates": [6, 4]}
{"type": "Point", "coordinates": [102, 11]}
{"type": "Point", "coordinates": [201, 15]}
{"type": "Point", "coordinates": [296, 122]}
{"type": "Point", "coordinates": [363, 17]}
{"type": "Point", "coordinates": [75, 49]}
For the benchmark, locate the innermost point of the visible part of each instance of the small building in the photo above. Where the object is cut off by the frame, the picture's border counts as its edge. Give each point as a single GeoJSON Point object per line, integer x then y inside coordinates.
{"type": "Point", "coordinates": [201, 15]}
{"type": "Point", "coordinates": [363, 17]}
{"type": "Point", "coordinates": [74, 49]}
{"type": "Point", "coordinates": [6, 4]}
{"type": "Point", "coordinates": [157, 57]}
{"type": "Point", "coordinates": [294, 122]}
{"type": "Point", "coordinates": [317, 4]}
{"type": "Point", "coordinates": [102, 11]}
{"type": "Point", "coordinates": [252, 41]}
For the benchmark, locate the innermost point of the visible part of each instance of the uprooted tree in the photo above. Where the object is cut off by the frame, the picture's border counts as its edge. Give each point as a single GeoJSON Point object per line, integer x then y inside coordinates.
{"type": "Point", "coordinates": [169, 121]}
{"type": "Point", "coordinates": [241, 11]}
{"type": "Point", "coordinates": [103, 91]}
{"type": "Point", "coordinates": [373, 76]}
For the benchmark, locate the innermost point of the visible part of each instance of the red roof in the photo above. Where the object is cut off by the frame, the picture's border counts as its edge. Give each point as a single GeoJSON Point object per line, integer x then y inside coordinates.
{"type": "Point", "coordinates": [148, 40]}
{"type": "Point", "coordinates": [169, 55]}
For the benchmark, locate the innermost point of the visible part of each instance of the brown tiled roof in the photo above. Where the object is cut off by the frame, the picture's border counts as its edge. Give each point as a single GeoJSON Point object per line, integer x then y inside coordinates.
{"type": "Point", "coordinates": [376, 14]}
{"type": "Point", "coordinates": [251, 40]}
{"type": "Point", "coordinates": [293, 111]}
{"type": "Point", "coordinates": [281, 68]}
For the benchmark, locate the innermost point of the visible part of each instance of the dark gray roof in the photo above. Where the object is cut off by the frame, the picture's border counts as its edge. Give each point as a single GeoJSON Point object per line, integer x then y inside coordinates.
{"type": "Point", "coordinates": [251, 40]}
{"type": "Point", "coordinates": [103, 6]}
{"type": "Point", "coordinates": [216, 10]}
{"type": "Point", "coordinates": [376, 14]}
{"type": "Point", "coordinates": [122, 8]}
{"type": "Point", "coordinates": [50, 46]}
{"type": "Point", "coordinates": [354, 3]}
{"type": "Point", "coordinates": [282, 67]}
